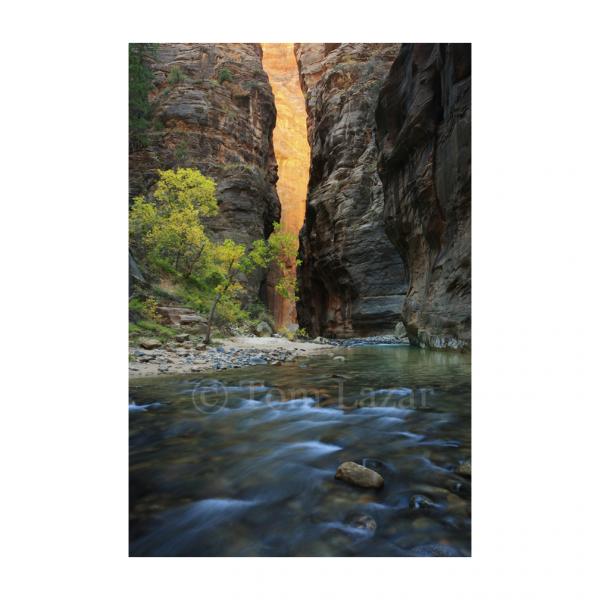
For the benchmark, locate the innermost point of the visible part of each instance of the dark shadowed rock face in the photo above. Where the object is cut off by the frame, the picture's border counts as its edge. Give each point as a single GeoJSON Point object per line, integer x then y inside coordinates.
{"type": "Point", "coordinates": [352, 280]}
{"type": "Point", "coordinates": [424, 136]}
{"type": "Point", "coordinates": [224, 129]}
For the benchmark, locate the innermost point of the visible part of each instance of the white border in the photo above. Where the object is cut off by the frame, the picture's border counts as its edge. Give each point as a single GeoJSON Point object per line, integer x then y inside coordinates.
{"type": "Point", "coordinates": [64, 441]}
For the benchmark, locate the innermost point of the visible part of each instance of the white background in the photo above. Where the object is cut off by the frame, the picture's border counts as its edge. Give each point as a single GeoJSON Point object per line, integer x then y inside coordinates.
{"type": "Point", "coordinates": [64, 309]}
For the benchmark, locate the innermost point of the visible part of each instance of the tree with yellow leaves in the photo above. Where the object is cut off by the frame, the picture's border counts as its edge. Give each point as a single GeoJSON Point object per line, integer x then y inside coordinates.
{"type": "Point", "coordinates": [167, 227]}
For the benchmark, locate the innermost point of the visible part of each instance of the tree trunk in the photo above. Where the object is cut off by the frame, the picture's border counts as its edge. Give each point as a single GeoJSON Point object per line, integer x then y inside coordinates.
{"type": "Point", "coordinates": [211, 317]}
{"type": "Point", "coordinates": [217, 299]}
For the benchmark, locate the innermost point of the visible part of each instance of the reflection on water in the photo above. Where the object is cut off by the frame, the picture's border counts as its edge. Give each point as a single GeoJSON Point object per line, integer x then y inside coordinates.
{"type": "Point", "coordinates": [244, 465]}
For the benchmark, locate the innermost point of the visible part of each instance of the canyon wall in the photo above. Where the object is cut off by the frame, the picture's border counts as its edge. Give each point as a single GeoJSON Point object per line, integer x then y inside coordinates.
{"type": "Point", "coordinates": [424, 137]}
{"type": "Point", "coordinates": [213, 109]}
{"type": "Point", "coordinates": [352, 279]}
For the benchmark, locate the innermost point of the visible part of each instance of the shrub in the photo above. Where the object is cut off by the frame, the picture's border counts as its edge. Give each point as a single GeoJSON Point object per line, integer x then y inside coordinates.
{"type": "Point", "coordinates": [147, 327]}
{"type": "Point", "coordinates": [136, 309]}
{"type": "Point", "coordinates": [225, 75]}
{"type": "Point", "coordinates": [150, 307]}
{"type": "Point", "coordinates": [286, 333]}
{"type": "Point", "coordinates": [181, 152]}
{"type": "Point", "coordinates": [175, 75]}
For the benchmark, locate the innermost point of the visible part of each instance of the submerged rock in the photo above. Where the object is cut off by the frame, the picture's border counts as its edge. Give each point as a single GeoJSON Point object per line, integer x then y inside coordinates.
{"type": "Point", "coordinates": [150, 343]}
{"type": "Point", "coordinates": [353, 473]}
{"type": "Point", "coordinates": [420, 503]}
{"type": "Point", "coordinates": [363, 522]}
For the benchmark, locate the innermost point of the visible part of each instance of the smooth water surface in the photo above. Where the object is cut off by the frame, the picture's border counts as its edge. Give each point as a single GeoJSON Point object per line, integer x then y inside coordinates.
{"type": "Point", "coordinates": [242, 462]}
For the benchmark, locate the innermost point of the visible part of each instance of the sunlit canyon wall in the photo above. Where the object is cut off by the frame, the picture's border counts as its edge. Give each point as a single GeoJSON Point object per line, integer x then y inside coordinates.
{"type": "Point", "coordinates": [291, 151]}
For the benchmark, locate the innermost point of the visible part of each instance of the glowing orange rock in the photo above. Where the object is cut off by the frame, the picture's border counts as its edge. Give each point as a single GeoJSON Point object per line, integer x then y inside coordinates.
{"type": "Point", "coordinates": [291, 151]}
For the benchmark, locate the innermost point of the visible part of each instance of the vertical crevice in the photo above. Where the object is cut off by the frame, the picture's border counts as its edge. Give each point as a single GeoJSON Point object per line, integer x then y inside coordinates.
{"type": "Point", "coordinates": [292, 154]}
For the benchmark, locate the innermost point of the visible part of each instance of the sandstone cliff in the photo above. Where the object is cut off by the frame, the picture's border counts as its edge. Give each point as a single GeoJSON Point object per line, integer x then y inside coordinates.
{"type": "Point", "coordinates": [293, 157]}
{"type": "Point", "coordinates": [214, 110]}
{"type": "Point", "coordinates": [424, 137]}
{"type": "Point", "coordinates": [352, 279]}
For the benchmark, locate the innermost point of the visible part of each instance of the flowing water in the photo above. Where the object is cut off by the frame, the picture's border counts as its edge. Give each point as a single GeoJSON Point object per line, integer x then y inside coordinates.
{"type": "Point", "coordinates": [242, 462]}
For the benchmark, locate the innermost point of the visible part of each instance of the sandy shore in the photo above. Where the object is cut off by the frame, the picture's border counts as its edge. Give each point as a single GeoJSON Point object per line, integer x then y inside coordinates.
{"type": "Point", "coordinates": [190, 356]}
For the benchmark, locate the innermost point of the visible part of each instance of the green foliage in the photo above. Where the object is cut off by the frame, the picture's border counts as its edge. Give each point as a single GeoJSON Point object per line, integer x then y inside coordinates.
{"type": "Point", "coordinates": [186, 188]}
{"type": "Point", "coordinates": [143, 309]}
{"type": "Point", "coordinates": [175, 75]}
{"type": "Point", "coordinates": [140, 84]}
{"type": "Point", "coordinates": [251, 85]}
{"type": "Point", "coordinates": [181, 152]}
{"type": "Point", "coordinates": [282, 250]}
{"type": "Point", "coordinates": [225, 75]}
{"type": "Point", "coordinates": [136, 309]}
{"type": "Point", "coordinates": [147, 327]}
{"type": "Point", "coordinates": [150, 306]}
{"type": "Point", "coordinates": [286, 333]}
{"type": "Point", "coordinates": [143, 319]}
{"type": "Point", "coordinates": [167, 228]}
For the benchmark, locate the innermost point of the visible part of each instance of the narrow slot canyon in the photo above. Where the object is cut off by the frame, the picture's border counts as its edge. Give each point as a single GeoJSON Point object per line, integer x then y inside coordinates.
{"type": "Point", "coordinates": [292, 153]}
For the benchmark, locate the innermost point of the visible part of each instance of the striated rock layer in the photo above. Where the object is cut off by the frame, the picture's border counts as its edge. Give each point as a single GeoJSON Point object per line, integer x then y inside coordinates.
{"type": "Point", "coordinates": [352, 280]}
{"type": "Point", "coordinates": [424, 137]}
{"type": "Point", "coordinates": [292, 154]}
{"type": "Point", "coordinates": [214, 110]}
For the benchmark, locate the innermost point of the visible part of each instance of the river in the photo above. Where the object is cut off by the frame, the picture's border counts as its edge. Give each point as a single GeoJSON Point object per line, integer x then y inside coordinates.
{"type": "Point", "coordinates": [243, 462]}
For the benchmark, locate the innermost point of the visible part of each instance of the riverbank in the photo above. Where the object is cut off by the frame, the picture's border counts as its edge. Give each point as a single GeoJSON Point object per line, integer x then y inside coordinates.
{"type": "Point", "coordinates": [150, 358]}
{"type": "Point", "coordinates": [185, 355]}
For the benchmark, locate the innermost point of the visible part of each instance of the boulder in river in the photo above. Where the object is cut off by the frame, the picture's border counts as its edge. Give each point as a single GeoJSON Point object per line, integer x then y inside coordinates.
{"type": "Point", "coordinates": [150, 343]}
{"type": "Point", "coordinates": [356, 474]}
